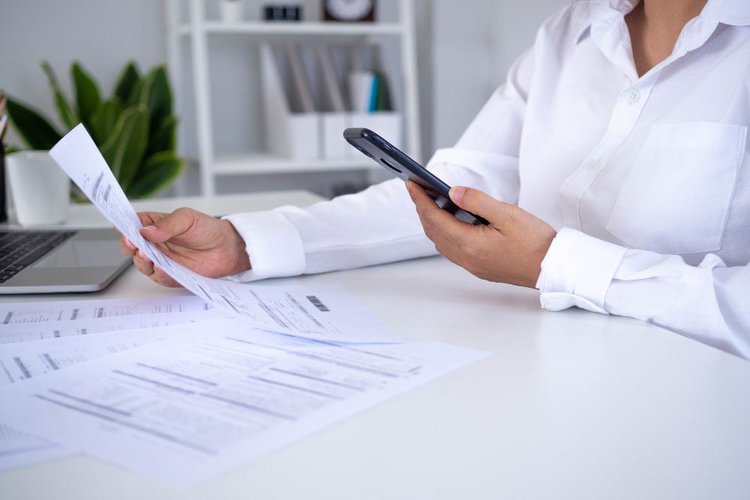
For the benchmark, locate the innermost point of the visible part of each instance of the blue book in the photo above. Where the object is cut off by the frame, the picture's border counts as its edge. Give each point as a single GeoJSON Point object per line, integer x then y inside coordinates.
{"type": "Point", "coordinates": [374, 90]}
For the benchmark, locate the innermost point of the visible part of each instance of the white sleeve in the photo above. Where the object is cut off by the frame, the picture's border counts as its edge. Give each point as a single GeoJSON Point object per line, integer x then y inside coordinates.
{"type": "Point", "coordinates": [380, 224]}
{"type": "Point", "coordinates": [707, 302]}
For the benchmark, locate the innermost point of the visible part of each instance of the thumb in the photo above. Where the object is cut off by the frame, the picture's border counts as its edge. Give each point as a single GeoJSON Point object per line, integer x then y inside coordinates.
{"type": "Point", "coordinates": [480, 203]}
{"type": "Point", "coordinates": [169, 226]}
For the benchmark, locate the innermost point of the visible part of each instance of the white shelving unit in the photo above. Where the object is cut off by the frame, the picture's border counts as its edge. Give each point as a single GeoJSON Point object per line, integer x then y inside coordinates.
{"type": "Point", "coordinates": [197, 30]}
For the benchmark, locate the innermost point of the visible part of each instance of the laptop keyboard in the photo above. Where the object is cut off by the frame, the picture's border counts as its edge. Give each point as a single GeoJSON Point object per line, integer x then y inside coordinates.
{"type": "Point", "coordinates": [20, 249]}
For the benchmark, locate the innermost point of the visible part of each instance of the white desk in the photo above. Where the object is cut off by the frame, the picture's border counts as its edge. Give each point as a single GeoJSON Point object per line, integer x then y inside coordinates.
{"type": "Point", "coordinates": [571, 405]}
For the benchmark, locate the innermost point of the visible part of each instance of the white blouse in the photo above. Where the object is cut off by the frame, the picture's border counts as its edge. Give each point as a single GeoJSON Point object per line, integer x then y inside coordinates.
{"type": "Point", "coordinates": [647, 180]}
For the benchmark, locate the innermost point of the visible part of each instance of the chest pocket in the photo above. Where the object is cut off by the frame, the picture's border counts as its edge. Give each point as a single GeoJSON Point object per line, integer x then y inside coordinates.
{"type": "Point", "coordinates": [676, 197]}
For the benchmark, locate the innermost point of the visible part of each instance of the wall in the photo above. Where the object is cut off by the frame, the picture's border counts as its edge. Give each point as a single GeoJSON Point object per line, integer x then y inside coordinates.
{"type": "Point", "coordinates": [475, 43]}
{"type": "Point", "coordinates": [464, 50]}
{"type": "Point", "coordinates": [102, 34]}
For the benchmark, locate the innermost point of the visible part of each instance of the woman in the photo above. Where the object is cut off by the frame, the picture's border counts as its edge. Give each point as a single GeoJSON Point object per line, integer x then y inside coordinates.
{"type": "Point", "coordinates": [618, 149]}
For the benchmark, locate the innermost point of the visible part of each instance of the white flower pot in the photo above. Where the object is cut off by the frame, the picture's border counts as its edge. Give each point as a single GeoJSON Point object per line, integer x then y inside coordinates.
{"type": "Point", "coordinates": [231, 11]}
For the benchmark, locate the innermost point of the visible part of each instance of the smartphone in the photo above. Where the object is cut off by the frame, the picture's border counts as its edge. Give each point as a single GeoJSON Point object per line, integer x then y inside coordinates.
{"type": "Point", "coordinates": [406, 169]}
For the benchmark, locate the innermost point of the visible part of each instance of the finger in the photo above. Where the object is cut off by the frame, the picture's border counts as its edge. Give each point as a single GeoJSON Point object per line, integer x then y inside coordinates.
{"type": "Point", "coordinates": [435, 222]}
{"type": "Point", "coordinates": [143, 264]}
{"type": "Point", "coordinates": [481, 203]}
{"type": "Point", "coordinates": [169, 226]}
{"type": "Point", "coordinates": [420, 197]}
{"type": "Point", "coordinates": [127, 247]}
{"type": "Point", "coordinates": [162, 278]}
{"type": "Point", "coordinates": [449, 235]}
{"type": "Point", "coordinates": [422, 202]}
{"type": "Point", "coordinates": [433, 215]}
{"type": "Point", "coordinates": [411, 188]}
{"type": "Point", "coordinates": [417, 197]}
{"type": "Point", "coordinates": [148, 218]}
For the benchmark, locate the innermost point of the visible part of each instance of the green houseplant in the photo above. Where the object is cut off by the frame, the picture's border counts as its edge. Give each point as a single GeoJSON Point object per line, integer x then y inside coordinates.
{"type": "Point", "coordinates": [135, 128]}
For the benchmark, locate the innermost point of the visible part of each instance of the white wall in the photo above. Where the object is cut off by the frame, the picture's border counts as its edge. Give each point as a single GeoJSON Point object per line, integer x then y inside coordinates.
{"type": "Point", "coordinates": [102, 34]}
{"type": "Point", "coordinates": [475, 43]}
{"type": "Point", "coordinates": [465, 47]}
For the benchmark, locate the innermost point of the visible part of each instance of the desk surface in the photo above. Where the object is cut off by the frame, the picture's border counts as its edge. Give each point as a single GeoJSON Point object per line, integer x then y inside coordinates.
{"type": "Point", "coordinates": [570, 405]}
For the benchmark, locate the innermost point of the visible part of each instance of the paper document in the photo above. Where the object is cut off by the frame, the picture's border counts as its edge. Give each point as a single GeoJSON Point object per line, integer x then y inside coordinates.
{"type": "Point", "coordinates": [301, 85]}
{"type": "Point", "coordinates": [42, 312]}
{"type": "Point", "coordinates": [25, 360]}
{"type": "Point", "coordinates": [332, 87]}
{"type": "Point", "coordinates": [190, 407]}
{"type": "Point", "coordinates": [22, 361]}
{"type": "Point", "coordinates": [75, 328]}
{"type": "Point", "coordinates": [20, 450]}
{"type": "Point", "coordinates": [24, 322]}
{"type": "Point", "coordinates": [311, 313]}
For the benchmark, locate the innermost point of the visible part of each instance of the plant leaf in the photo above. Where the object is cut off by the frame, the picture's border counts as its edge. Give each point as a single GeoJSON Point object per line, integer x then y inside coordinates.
{"type": "Point", "coordinates": [135, 95]}
{"type": "Point", "coordinates": [156, 95]}
{"type": "Point", "coordinates": [159, 171]}
{"type": "Point", "coordinates": [163, 138]}
{"type": "Point", "coordinates": [87, 93]}
{"type": "Point", "coordinates": [35, 130]}
{"type": "Point", "coordinates": [124, 148]}
{"type": "Point", "coordinates": [127, 82]}
{"type": "Point", "coordinates": [104, 120]}
{"type": "Point", "coordinates": [68, 115]}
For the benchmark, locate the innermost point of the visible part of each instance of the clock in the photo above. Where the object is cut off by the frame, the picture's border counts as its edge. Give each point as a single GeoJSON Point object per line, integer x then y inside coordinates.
{"type": "Point", "coordinates": [349, 10]}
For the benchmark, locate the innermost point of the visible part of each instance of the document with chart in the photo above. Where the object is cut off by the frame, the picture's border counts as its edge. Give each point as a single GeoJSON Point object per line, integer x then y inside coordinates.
{"type": "Point", "coordinates": [193, 406]}
{"type": "Point", "coordinates": [320, 314]}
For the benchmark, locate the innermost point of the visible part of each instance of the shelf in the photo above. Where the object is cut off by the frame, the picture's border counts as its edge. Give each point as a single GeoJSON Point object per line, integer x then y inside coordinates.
{"type": "Point", "coordinates": [268, 164]}
{"type": "Point", "coordinates": [298, 28]}
{"type": "Point", "coordinates": [190, 35]}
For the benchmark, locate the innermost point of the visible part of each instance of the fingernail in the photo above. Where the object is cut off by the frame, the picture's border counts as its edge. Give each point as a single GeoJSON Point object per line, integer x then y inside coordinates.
{"type": "Point", "coordinates": [457, 193]}
{"type": "Point", "coordinates": [149, 228]}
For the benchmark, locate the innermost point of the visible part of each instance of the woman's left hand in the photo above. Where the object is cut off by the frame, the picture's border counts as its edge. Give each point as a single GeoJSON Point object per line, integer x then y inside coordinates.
{"type": "Point", "coordinates": [509, 250]}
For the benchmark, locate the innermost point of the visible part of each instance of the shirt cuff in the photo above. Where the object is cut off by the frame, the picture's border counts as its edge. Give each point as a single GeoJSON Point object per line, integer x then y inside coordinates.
{"type": "Point", "coordinates": [272, 243]}
{"type": "Point", "coordinates": [577, 271]}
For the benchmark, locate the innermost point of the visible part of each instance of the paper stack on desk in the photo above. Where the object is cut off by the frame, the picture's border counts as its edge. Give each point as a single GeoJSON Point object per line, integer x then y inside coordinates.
{"type": "Point", "coordinates": [42, 337]}
{"type": "Point", "coordinates": [184, 388]}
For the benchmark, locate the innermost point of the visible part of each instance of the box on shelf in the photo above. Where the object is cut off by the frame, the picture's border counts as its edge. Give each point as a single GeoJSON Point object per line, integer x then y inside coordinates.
{"type": "Point", "coordinates": [306, 122]}
{"type": "Point", "coordinates": [290, 132]}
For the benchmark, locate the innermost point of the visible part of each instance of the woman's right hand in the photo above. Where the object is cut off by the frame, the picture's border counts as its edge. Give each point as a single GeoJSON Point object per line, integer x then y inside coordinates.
{"type": "Point", "coordinates": [209, 246]}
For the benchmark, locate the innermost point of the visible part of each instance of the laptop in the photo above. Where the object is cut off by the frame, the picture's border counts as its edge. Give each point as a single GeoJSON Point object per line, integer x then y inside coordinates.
{"type": "Point", "coordinates": [82, 260]}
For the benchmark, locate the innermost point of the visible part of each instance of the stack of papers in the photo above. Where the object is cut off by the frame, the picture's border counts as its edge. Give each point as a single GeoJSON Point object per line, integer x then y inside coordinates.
{"type": "Point", "coordinates": [182, 389]}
